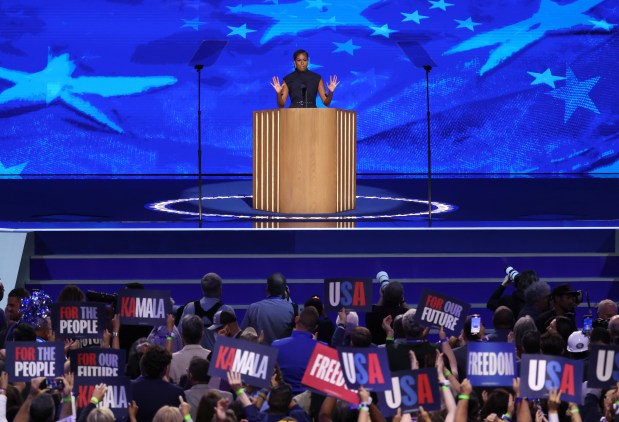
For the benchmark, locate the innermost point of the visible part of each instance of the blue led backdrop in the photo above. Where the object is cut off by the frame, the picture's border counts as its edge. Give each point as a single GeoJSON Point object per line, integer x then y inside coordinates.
{"type": "Point", "coordinates": [104, 87]}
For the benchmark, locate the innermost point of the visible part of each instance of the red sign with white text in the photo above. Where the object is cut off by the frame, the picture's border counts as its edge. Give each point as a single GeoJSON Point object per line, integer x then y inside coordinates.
{"type": "Point", "coordinates": [324, 374]}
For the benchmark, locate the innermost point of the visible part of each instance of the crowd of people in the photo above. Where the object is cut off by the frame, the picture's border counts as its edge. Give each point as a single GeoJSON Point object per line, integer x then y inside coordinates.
{"type": "Point", "coordinates": [169, 364]}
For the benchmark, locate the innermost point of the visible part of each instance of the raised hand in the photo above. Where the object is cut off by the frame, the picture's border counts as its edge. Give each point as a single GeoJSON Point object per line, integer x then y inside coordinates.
{"type": "Point", "coordinates": [333, 83]}
{"type": "Point", "coordinates": [276, 85]}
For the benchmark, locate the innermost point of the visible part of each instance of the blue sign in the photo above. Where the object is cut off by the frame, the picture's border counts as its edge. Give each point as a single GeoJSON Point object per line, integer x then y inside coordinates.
{"type": "Point", "coordinates": [143, 307]}
{"type": "Point", "coordinates": [118, 394]}
{"type": "Point", "coordinates": [409, 390]}
{"type": "Point", "coordinates": [440, 310]}
{"type": "Point", "coordinates": [350, 293]}
{"type": "Point", "coordinates": [30, 359]}
{"type": "Point", "coordinates": [491, 364]}
{"type": "Point", "coordinates": [540, 373]}
{"type": "Point", "coordinates": [255, 362]}
{"type": "Point", "coordinates": [367, 367]}
{"type": "Point", "coordinates": [98, 362]}
{"type": "Point", "coordinates": [603, 366]}
{"type": "Point", "coordinates": [78, 319]}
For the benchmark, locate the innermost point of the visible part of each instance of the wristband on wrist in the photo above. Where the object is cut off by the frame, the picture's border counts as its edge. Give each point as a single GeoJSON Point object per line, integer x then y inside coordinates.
{"type": "Point", "coordinates": [239, 392]}
{"type": "Point", "coordinates": [445, 387]}
{"type": "Point", "coordinates": [507, 417]}
{"type": "Point", "coordinates": [187, 417]}
{"type": "Point", "coordinates": [362, 407]}
{"type": "Point", "coordinates": [574, 409]}
{"type": "Point", "coordinates": [68, 399]}
{"type": "Point", "coordinates": [390, 338]}
{"type": "Point", "coordinates": [442, 340]}
{"type": "Point", "coordinates": [464, 397]}
{"type": "Point", "coordinates": [447, 373]}
{"type": "Point", "coordinates": [94, 400]}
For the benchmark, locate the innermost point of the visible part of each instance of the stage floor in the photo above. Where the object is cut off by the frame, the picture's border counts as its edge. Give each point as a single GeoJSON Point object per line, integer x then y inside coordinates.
{"type": "Point", "coordinates": [385, 201]}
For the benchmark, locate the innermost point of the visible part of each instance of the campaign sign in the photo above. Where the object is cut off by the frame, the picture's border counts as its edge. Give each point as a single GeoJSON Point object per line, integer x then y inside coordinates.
{"type": "Point", "coordinates": [143, 307]}
{"type": "Point", "coordinates": [255, 362]}
{"type": "Point", "coordinates": [117, 396]}
{"type": "Point", "coordinates": [540, 373]}
{"type": "Point", "coordinates": [30, 359]}
{"type": "Point", "coordinates": [78, 319]}
{"type": "Point", "coordinates": [350, 293]}
{"type": "Point", "coordinates": [367, 367]}
{"type": "Point", "coordinates": [409, 390]}
{"type": "Point", "coordinates": [439, 310]}
{"type": "Point", "coordinates": [491, 364]}
{"type": "Point", "coordinates": [603, 366]}
{"type": "Point", "coordinates": [98, 362]}
{"type": "Point", "coordinates": [324, 374]}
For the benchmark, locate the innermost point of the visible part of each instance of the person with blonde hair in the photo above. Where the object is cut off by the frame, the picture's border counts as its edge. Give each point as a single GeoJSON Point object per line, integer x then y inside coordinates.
{"type": "Point", "coordinates": [101, 414]}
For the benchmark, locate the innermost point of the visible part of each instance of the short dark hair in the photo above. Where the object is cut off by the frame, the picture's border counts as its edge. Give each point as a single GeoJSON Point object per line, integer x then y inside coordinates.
{"type": "Point", "coordinates": [276, 284]}
{"type": "Point", "coordinates": [279, 398]}
{"type": "Point", "coordinates": [24, 332]}
{"type": "Point", "coordinates": [361, 337]}
{"type": "Point", "coordinates": [154, 361]}
{"type": "Point", "coordinates": [42, 408]}
{"type": "Point", "coordinates": [308, 318]}
{"type": "Point", "coordinates": [552, 344]}
{"type": "Point", "coordinates": [299, 52]}
{"type": "Point", "coordinates": [565, 327]}
{"type": "Point", "coordinates": [211, 285]}
{"type": "Point", "coordinates": [198, 369]}
{"type": "Point", "coordinates": [316, 303]}
{"type": "Point", "coordinates": [503, 317]}
{"type": "Point", "coordinates": [71, 293]}
{"type": "Point", "coordinates": [531, 342]}
{"type": "Point", "coordinates": [393, 294]}
{"type": "Point", "coordinates": [599, 335]}
{"type": "Point", "coordinates": [192, 328]}
{"type": "Point", "coordinates": [19, 292]}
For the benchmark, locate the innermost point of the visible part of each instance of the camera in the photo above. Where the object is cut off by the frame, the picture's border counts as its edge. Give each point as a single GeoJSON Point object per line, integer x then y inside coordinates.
{"type": "Point", "coordinates": [600, 322]}
{"type": "Point", "coordinates": [512, 274]}
{"type": "Point", "coordinates": [383, 279]}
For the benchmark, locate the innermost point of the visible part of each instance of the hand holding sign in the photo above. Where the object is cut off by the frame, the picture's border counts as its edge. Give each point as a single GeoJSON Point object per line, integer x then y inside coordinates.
{"type": "Point", "coordinates": [554, 400]}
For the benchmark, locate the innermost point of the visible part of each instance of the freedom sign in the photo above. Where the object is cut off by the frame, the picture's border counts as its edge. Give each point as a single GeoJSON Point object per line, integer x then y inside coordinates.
{"type": "Point", "coordinates": [324, 374]}
{"type": "Point", "coordinates": [350, 293]}
{"type": "Point", "coordinates": [255, 362]}
{"type": "Point", "coordinates": [143, 307]}
{"type": "Point", "coordinates": [30, 359]}
{"type": "Point", "coordinates": [409, 390]}
{"type": "Point", "coordinates": [367, 367]}
{"type": "Point", "coordinates": [78, 319]}
{"type": "Point", "coordinates": [540, 373]}
{"type": "Point", "coordinates": [98, 362]}
{"type": "Point", "coordinates": [438, 309]}
{"type": "Point", "coordinates": [603, 366]}
{"type": "Point", "coordinates": [490, 364]}
{"type": "Point", "coordinates": [117, 395]}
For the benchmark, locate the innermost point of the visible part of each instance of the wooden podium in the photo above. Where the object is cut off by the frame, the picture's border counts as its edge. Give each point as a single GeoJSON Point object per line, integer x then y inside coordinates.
{"type": "Point", "coordinates": [304, 160]}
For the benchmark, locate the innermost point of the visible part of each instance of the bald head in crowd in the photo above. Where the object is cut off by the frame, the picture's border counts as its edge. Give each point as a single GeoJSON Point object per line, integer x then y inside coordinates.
{"type": "Point", "coordinates": [606, 309]}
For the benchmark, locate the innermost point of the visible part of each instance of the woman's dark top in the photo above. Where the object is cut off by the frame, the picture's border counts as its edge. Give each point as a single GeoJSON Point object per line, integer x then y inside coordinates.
{"type": "Point", "coordinates": [296, 82]}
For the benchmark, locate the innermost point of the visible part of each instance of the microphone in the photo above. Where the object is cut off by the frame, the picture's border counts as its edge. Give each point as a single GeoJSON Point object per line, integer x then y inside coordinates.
{"type": "Point", "coordinates": [304, 94]}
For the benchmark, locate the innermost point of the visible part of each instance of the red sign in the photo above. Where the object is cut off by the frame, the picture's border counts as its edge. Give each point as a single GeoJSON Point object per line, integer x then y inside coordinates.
{"type": "Point", "coordinates": [324, 374]}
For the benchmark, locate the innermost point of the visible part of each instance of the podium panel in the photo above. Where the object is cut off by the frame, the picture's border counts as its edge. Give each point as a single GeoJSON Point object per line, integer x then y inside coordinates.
{"type": "Point", "coordinates": [304, 160]}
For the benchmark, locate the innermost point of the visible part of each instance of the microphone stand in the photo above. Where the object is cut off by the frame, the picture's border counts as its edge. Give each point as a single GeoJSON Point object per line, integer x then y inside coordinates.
{"type": "Point", "coordinates": [198, 68]}
{"type": "Point", "coordinates": [428, 68]}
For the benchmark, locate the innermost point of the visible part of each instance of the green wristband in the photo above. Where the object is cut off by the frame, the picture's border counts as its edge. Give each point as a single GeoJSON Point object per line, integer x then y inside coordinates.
{"type": "Point", "coordinates": [187, 417]}
{"type": "Point", "coordinates": [239, 391]}
{"type": "Point", "coordinates": [94, 400]}
{"type": "Point", "coordinates": [464, 397]}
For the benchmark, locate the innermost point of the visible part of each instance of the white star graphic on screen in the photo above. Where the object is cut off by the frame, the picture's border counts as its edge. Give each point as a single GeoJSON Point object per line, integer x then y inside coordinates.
{"type": "Point", "coordinates": [347, 47]}
{"type": "Point", "coordinates": [440, 4]}
{"type": "Point", "coordinates": [318, 4]}
{"type": "Point", "coordinates": [545, 78]}
{"type": "Point", "coordinates": [383, 30]}
{"type": "Point", "coordinates": [576, 94]}
{"type": "Point", "coordinates": [55, 83]}
{"type": "Point", "coordinates": [194, 23]}
{"type": "Point", "coordinates": [467, 23]}
{"type": "Point", "coordinates": [294, 18]}
{"type": "Point", "coordinates": [13, 170]}
{"type": "Point", "coordinates": [511, 39]}
{"type": "Point", "coordinates": [331, 22]}
{"type": "Point", "coordinates": [415, 17]}
{"type": "Point", "coordinates": [241, 31]}
{"type": "Point", "coordinates": [602, 25]}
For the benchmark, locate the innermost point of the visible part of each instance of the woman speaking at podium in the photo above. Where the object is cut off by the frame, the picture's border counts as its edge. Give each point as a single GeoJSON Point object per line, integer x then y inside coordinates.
{"type": "Point", "coordinates": [303, 85]}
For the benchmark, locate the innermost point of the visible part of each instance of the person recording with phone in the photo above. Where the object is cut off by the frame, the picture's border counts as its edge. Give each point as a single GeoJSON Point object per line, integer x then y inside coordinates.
{"type": "Point", "coordinates": [474, 330]}
{"type": "Point", "coordinates": [303, 85]}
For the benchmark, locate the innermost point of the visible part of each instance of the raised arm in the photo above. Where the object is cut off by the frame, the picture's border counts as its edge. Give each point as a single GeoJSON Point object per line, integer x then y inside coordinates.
{"type": "Point", "coordinates": [325, 96]}
{"type": "Point", "coordinates": [281, 90]}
